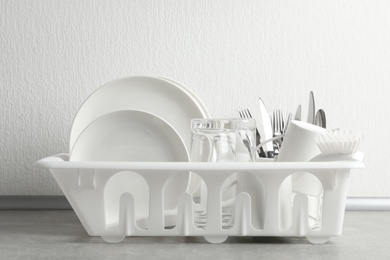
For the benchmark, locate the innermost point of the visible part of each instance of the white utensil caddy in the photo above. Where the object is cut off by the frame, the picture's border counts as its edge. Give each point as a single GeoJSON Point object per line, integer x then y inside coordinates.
{"type": "Point", "coordinates": [83, 184]}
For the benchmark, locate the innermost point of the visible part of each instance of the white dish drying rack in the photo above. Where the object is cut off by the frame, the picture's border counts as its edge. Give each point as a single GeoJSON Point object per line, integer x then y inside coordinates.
{"type": "Point", "coordinates": [84, 185]}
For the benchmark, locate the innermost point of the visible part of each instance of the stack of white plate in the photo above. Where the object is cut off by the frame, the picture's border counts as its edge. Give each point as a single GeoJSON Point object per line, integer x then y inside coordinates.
{"type": "Point", "coordinates": [138, 119]}
{"type": "Point", "coordinates": [162, 98]}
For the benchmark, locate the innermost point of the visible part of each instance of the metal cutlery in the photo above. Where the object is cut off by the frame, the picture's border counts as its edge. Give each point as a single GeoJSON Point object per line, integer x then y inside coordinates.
{"type": "Point", "coordinates": [267, 129]}
{"type": "Point", "coordinates": [311, 113]}
{"type": "Point", "coordinates": [316, 118]}
{"type": "Point", "coordinates": [278, 128]}
{"type": "Point", "coordinates": [247, 114]}
{"type": "Point", "coordinates": [274, 125]}
{"type": "Point", "coordinates": [286, 122]}
{"type": "Point", "coordinates": [320, 118]}
{"type": "Point", "coordinates": [298, 113]}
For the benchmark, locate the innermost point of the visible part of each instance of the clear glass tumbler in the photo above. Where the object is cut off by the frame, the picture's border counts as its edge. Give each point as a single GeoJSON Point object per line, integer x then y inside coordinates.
{"type": "Point", "coordinates": [223, 140]}
{"type": "Point", "coordinates": [220, 140]}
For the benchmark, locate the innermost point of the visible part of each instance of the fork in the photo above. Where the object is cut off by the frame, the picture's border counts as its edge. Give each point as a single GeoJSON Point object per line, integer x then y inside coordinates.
{"type": "Point", "coordinates": [245, 113]}
{"type": "Point", "coordinates": [278, 127]}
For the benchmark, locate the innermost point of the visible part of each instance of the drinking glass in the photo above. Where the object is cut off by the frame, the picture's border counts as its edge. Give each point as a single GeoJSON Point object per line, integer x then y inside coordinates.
{"type": "Point", "coordinates": [223, 140]}
{"type": "Point", "coordinates": [220, 140]}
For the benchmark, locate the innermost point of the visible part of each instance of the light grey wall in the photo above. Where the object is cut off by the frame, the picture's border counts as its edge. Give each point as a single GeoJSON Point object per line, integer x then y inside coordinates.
{"type": "Point", "coordinates": [53, 54]}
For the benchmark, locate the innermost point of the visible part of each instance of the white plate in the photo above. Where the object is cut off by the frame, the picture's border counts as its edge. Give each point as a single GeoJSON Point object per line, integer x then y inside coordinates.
{"type": "Point", "coordinates": [190, 93]}
{"type": "Point", "coordinates": [195, 180]}
{"type": "Point", "coordinates": [175, 104]}
{"type": "Point", "coordinates": [129, 136]}
{"type": "Point", "coordinates": [133, 136]}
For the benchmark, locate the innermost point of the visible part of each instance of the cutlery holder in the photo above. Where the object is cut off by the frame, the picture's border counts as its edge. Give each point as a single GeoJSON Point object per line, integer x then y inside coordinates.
{"type": "Point", "coordinates": [90, 189]}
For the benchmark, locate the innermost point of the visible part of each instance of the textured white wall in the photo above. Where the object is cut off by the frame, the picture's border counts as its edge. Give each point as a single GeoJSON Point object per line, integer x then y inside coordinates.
{"type": "Point", "coordinates": [53, 54]}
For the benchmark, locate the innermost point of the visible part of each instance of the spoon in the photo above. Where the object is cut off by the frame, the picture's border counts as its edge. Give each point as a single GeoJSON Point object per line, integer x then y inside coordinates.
{"type": "Point", "coordinates": [320, 118]}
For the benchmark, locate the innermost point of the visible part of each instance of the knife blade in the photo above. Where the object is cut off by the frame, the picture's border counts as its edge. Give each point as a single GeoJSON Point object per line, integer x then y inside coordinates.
{"type": "Point", "coordinates": [287, 122]}
{"type": "Point", "coordinates": [298, 113]}
{"type": "Point", "coordinates": [267, 129]}
{"type": "Point", "coordinates": [312, 112]}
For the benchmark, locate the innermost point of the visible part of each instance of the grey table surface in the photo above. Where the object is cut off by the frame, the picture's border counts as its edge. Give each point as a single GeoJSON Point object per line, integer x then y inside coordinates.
{"type": "Point", "coordinates": [58, 234]}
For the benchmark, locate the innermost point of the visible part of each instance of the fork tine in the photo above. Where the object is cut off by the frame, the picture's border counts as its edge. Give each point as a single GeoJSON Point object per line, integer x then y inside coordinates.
{"type": "Point", "coordinates": [275, 115]}
{"type": "Point", "coordinates": [249, 113]}
{"type": "Point", "coordinates": [244, 113]}
{"type": "Point", "coordinates": [273, 121]}
{"type": "Point", "coordinates": [281, 121]}
{"type": "Point", "coordinates": [278, 123]}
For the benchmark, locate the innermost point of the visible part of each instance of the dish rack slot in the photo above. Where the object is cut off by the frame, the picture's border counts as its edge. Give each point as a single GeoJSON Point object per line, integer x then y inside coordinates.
{"type": "Point", "coordinates": [86, 179]}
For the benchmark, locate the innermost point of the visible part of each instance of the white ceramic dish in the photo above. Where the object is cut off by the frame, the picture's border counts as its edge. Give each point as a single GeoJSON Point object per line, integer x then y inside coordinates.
{"type": "Point", "coordinates": [195, 180]}
{"type": "Point", "coordinates": [129, 136]}
{"type": "Point", "coordinates": [175, 104]}
{"type": "Point", "coordinates": [190, 92]}
{"type": "Point", "coordinates": [133, 136]}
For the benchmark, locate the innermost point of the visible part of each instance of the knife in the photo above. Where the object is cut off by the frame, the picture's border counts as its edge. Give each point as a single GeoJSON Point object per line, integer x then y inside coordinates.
{"type": "Point", "coordinates": [287, 122]}
{"type": "Point", "coordinates": [298, 114]}
{"type": "Point", "coordinates": [312, 112]}
{"type": "Point", "coordinates": [267, 129]}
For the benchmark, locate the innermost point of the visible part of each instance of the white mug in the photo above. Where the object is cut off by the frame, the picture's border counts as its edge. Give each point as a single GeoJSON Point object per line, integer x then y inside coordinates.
{"type": "Point", "coordinates": [299, 145]}
{"type": "Point", "coordinates": [299, 142]}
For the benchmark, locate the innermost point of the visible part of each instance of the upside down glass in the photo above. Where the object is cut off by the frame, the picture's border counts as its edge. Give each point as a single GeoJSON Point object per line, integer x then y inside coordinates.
{"type": "Point", "coordinates": [223, 140]}
{"type": "Point", "coordinates": [220, 140]}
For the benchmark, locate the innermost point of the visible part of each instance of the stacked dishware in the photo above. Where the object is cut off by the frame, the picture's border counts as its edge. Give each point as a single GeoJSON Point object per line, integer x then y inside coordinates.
{"type": "Point", "coordinates": [137, 119]}
{"type": "Point", "coordinates": [146, 159]}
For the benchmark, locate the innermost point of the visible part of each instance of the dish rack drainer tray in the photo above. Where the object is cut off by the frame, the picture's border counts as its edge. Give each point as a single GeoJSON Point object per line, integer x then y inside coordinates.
{"type": "Point", "coordinates": [83, 184]}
